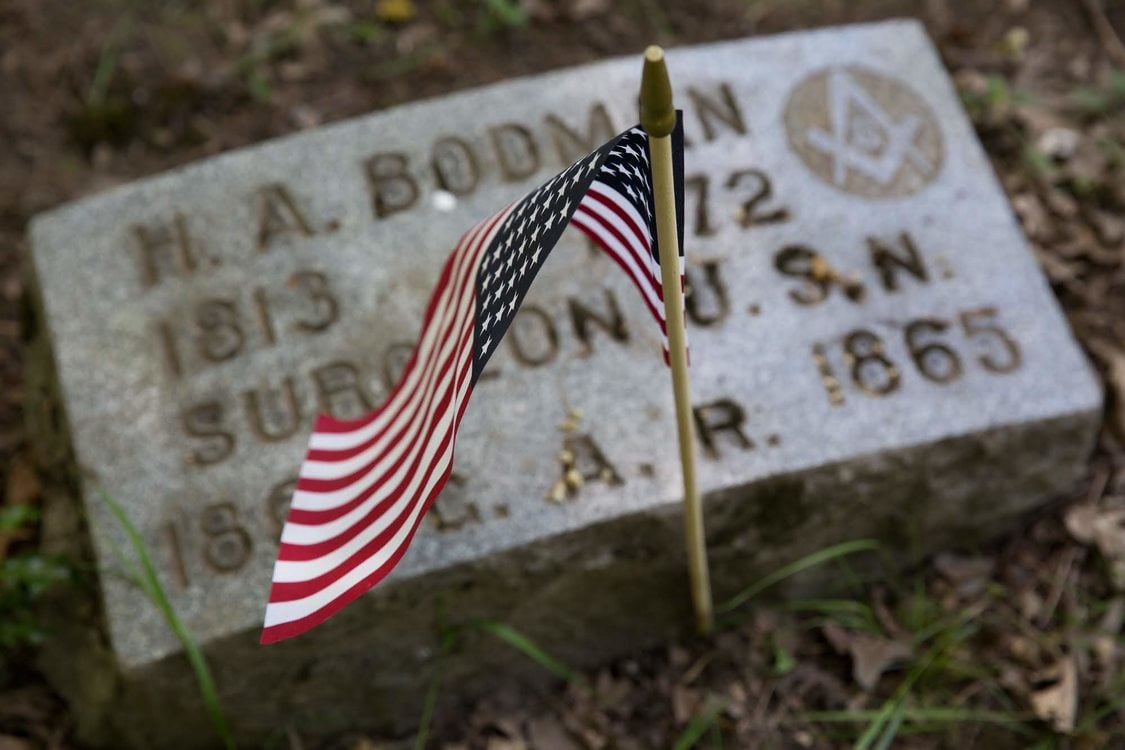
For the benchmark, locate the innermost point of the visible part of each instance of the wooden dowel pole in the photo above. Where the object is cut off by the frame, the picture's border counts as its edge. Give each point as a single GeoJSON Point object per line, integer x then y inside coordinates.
{"type": "Point", "coordinates": [658, 118]}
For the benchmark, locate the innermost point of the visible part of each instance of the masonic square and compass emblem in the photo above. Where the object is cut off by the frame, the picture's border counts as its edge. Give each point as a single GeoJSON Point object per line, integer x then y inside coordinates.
{"type": "Point", "coordinates": [864, 133]}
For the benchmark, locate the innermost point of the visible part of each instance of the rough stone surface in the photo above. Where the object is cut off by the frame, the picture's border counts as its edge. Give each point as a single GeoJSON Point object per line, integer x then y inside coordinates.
{"type": "Point", "coordinates": [874, 352]}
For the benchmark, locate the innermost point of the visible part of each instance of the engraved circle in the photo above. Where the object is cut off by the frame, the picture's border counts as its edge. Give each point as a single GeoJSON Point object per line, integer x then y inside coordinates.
{"type": "Point", "coordinates": [864, 132]}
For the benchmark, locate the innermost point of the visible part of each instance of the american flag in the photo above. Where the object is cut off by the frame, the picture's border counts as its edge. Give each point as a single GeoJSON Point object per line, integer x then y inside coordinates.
{"type": "Point", "coordinates": [365, 484]}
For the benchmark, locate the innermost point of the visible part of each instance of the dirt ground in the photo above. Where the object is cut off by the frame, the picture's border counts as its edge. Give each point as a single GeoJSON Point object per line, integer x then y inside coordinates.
{"type": "Point", "coordinates": [1019, 645]}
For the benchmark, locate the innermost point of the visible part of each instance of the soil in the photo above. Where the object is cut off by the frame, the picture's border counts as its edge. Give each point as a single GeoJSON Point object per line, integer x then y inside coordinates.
{"type": "Point", "coordinates": [101, 92]}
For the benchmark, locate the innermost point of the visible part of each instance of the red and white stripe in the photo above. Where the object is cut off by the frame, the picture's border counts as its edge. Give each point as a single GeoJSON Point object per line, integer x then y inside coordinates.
{"type": "Point", "coordinates": [366, 484]}
{"type": "Point", "coordinates": [614, 223]}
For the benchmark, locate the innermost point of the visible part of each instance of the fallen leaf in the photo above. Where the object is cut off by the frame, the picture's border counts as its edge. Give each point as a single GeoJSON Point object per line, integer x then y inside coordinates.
{"type": "Point", "coordinates": [1114, 360]}
{"type": "Point", "coordinates": [1032, 215]}
{"type": "Point", "coordinates": [505, 743]}
{"type": "Point", "coordinates": [1109, 534]}
{"type": "Point", "coordinates": [546, 733]}
{"type": "Point", "coordinates": [1079, 522]}
{"type": "Point", "coordinates": [871, 654]}
{"type": "Point", "coordinates": [1055, 699]}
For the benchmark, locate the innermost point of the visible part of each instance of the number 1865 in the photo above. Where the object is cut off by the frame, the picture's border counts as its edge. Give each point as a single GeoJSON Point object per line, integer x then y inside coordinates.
{"type": "Point", "coordinates": [930, 349]}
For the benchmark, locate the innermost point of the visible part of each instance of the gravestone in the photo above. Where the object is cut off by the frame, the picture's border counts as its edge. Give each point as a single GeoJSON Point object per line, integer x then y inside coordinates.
{"type": "Point", "coordinates": [875, 353]}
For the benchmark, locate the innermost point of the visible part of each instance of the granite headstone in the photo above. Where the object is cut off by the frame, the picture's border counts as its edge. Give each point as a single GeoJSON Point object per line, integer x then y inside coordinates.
{"type": "Point", "coordinates": [874, 353]}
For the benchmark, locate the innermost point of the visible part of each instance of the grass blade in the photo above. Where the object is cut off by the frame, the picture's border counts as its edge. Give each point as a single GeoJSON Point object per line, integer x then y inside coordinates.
{"type": "Point", "coordinates": [893, 725]}
{"type": "Point", "coordinates": [528, 648]}
{"type": "Point", "coordinates": [918, 716]}
{"type": "Point", "coordinates": [888, 718]}
{"type": "Point", "coordinates": [808, 561]}
{"type": "Point", "coordinates": [424, 724]}
{"type": "Point", "coordinates": [700, 723]}
{"type": "Point", "coordinates": [145, 576]}
{"type": "Point", "coordinates": [875, 728]}
{"type": "Point", "coordinates": [846, 612]}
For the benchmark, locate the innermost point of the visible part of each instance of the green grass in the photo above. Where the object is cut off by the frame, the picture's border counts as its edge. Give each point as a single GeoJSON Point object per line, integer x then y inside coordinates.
{"type": "Point", "coordinates": [847, 613]}
{"type": "Point", "coordinates": [701, 722]}
{"type": "Point", "coordinates": [528, 648]}
{"type": "Point", "coordinates": [884, 725]}
{"type": "Point", "coordinates": [499, 15]}
{"type": "Point", "coordinates": [24, 579]}
{"type": "Point", "coordinates": [808, 561]}
{"type": "Point", "coordinates": [704, 720]}
{"type": "Point", "coordinates": [448, 639]}
{"type": "Point", "coordinates": [142, 573]}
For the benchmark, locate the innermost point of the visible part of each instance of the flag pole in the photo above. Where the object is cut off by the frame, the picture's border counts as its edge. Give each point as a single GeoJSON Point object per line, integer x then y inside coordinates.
{"type": "Point", "coordinates": [658, 118]}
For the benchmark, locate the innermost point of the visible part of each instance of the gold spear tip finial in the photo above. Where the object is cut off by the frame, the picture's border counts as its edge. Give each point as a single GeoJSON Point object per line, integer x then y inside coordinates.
{"type": "Point", "coordinates": [658, 116]}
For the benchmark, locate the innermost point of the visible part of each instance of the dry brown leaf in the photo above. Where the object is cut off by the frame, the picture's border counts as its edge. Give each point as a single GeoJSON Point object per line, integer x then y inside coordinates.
{"type": "Point", "coordinates": [1036, 224]}
{"type": "Point", "coordinates": [546, 733]}
{"type": "Point", "coordinates": [871, 654]}
{"type": "Point", "coordinates": [1108, 227]}
{"type": "Point", "coordinates": [1109, 534]}
{"type": "Point", "coordinates": [1079, 522]}
{"type": "Point", "coordinates": [1056, 702]}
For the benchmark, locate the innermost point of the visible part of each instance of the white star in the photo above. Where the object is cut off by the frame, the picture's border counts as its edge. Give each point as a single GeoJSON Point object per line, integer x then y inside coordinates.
{"type": "Point", "coordinates": [512, 304]}
{"type": "Point", "coordinates": [564, 211]}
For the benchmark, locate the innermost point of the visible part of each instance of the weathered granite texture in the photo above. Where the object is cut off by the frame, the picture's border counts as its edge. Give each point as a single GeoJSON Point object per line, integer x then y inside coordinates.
{"type": "Point", "coordinates": [874, 352]}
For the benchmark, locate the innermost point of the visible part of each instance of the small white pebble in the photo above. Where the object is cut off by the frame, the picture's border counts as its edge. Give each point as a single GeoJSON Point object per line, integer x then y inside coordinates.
{"type": "Point", "coordinates": [444, 200]}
